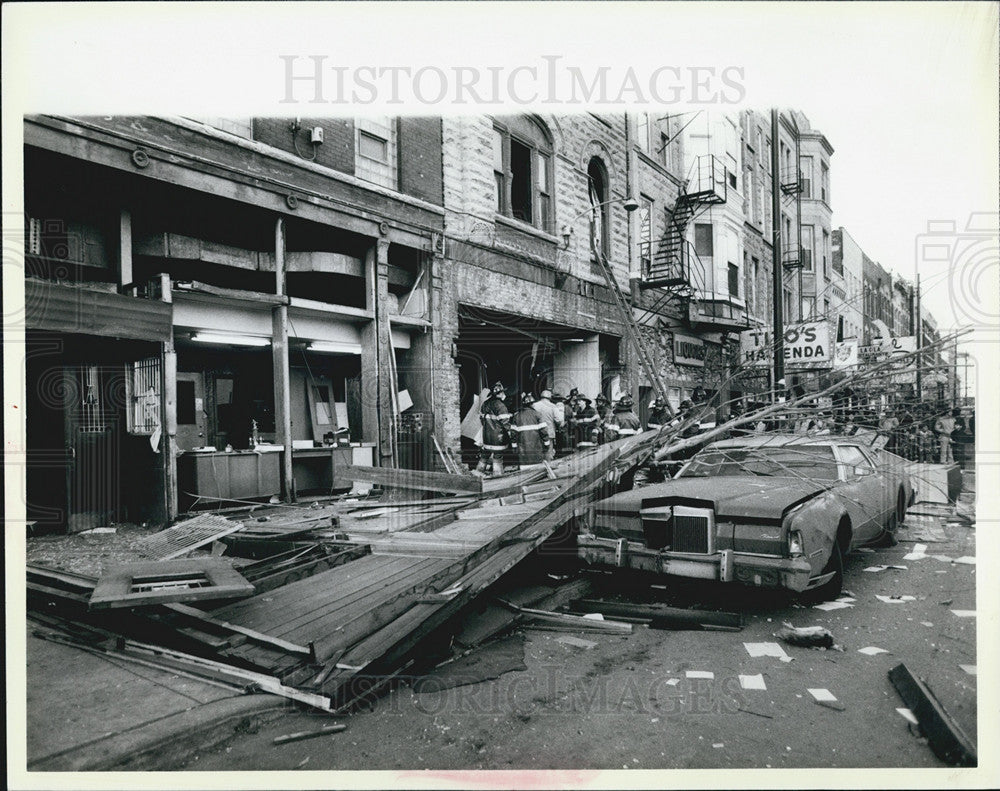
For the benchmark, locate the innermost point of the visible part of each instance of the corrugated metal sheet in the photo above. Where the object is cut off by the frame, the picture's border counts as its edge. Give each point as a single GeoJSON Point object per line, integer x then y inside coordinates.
{"type": "Point", "coordinates": [58, 307]}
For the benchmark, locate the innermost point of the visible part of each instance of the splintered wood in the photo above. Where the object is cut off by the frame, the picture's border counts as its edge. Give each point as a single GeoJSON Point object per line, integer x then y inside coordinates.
{"type": "Point", "coordinates": [187, 536]}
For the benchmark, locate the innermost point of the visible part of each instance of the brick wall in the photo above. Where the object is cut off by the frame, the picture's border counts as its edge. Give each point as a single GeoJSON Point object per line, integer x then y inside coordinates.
{"type": "Point", "coordinates": [336, 152]}
{"type": "Point", "coordinates": [420, 152]}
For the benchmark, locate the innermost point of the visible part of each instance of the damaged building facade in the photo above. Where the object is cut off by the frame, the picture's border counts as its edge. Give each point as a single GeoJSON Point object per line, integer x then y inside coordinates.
{"type": "Point", "coordinates": [223, 310]}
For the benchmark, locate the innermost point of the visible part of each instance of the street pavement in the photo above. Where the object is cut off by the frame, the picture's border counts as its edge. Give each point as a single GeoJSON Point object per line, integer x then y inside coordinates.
{"type": "Point", "coordinates": [676, 699]}
{"type": "Point", "coordinates": [648, 700]}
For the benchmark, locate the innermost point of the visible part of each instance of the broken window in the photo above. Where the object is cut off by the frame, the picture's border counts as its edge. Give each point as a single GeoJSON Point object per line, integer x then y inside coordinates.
{"type": "Point", "coordinates": [597, 179]}
{"type": "Point", "coordinates": [522, 171]}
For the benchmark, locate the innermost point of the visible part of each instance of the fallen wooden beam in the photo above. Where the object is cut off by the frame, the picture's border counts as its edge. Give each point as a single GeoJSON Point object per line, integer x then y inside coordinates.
{"type": "Point", "coordinates": [945, 737]}
{"type": "Point", "coordinates": [660, 616]}
{"type": "Point", "coordinates": [412, 479]}
{"type": "Point", "coordinates": [573, 621]}
{"type": "Point", "coordinates": [255, 636]}
{"type": "Point", "coordinates": [298, 737]}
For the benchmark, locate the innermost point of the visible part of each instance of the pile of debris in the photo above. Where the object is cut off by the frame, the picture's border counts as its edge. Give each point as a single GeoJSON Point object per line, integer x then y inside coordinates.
{"type": "Point", "coordinates": [326, 605]}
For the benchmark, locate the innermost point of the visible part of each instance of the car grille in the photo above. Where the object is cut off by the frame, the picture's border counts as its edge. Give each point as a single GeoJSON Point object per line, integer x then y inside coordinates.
{"type": "Point", "coordinates": [679, 529]}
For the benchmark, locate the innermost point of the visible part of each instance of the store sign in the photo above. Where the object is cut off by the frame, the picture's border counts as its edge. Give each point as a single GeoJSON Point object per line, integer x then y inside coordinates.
{"type": "Point", "coordinates": [689, 350]}
{"type": "Point", "coordinates": [806, 346]}
{"type": "Point", "coordinates": [845, 355]}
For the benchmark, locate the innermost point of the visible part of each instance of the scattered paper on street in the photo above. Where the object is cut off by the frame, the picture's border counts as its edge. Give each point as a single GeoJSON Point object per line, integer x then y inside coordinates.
{"type": "Point", "coordinates": [895, 599]}
{"type": "Point", "coordinates": [872, 650]}
{"type": "Point", "coordinates": [765, 649]}
{"type": "Point", "coordinates": [919, 552]}
{"type": "Point", "coordinates": [673, 682]}
{"type": "Point", "coordinates": [753, 682]}
{"type": "Point", "coordinates": [822, 694]}
{"type": "Point", "coordinates": [832, 605]}
{"type": "Point", "coordinates": [908, 715]}
{"type": "Point", "coordinates": [699, 674]}
{"type": "Point", "coordinates": [964, 613]}
{"type": "Point", "coordinates": [967, 559]}
{"type": "Point", "coordinates": [970, 669]}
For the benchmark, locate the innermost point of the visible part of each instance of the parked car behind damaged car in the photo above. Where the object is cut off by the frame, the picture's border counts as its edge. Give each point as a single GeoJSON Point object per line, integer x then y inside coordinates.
{"type": "Point", "coordinates": [775, 511]}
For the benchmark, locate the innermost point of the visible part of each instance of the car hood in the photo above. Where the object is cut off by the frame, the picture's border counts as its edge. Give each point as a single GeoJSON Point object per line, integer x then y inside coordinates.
{"type": "Point", "coordinates": [731, 497]}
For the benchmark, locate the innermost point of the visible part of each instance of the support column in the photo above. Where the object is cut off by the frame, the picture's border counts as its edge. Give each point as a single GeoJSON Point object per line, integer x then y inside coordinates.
{"type": "Point", "coordinates": [279, 364]}
{"type": "Point", "coordinates": [124, 249]}
{"type": "Point", "coordinates": [378, 405]}
{"type": "Point", "coordinates": [168, 419]}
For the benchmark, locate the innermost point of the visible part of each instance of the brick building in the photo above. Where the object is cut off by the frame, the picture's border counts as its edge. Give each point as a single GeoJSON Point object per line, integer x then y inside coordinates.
{"type": "Point", "coordinates": [228, 309]}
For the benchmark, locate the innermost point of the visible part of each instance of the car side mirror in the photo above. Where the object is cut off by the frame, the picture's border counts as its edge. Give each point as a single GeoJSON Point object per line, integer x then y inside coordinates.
{"type": "Point", "coordinates": [862, 470]}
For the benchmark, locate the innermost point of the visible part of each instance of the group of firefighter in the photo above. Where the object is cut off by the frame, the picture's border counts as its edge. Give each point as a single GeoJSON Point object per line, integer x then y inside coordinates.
{"type": "Point", "coordinates": [553, 424]}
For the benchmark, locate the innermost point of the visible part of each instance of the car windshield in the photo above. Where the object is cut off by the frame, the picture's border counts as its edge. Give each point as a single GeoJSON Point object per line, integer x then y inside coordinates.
{"type": "Point", "coordinates": [800, 461]}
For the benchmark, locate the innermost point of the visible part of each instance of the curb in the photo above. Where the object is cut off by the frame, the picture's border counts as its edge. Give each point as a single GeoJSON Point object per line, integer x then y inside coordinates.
{"type": "Point", "coordinates": [165, 743]}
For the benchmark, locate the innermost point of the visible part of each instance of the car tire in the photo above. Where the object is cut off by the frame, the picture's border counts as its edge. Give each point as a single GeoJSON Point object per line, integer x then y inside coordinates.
{"type": "Point", "coordinates": [832, 588]}
{"type": "Point", "coordinates": [887, 538]}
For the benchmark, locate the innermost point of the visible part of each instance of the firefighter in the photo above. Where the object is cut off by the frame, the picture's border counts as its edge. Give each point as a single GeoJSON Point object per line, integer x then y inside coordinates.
{"type": "Point", "coordinates": [658, 415]}
{"type": "Point", "coordinates": [624, 422]}
{"type": "Point", "coordinates": [603, 406]}
{"type": "Point", "coordinates": [496, 431]}
{"type": "Point", "coordinates": [529, 434]}
{"type": "Point", "coordinates": [552, 413]}
{"type": "Point", "coordinates": [584, 424]}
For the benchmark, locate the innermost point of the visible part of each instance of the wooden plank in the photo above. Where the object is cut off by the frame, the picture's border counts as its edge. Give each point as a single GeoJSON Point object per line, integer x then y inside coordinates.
{"type": "Point", "coordinates": [666, 617]}
{"type": "Point", "coordinates": [574, 621]}
{"type": "Point", "coordinates": [255, 636]}
{"type": "Point", "coordinates": [948, 741]}
{"type": "Point", "coordinates": [297, 737]}
{"type": "Point", "coordinates": [114, 589]}
{"type": "Point", "coordinates": [412, 479]}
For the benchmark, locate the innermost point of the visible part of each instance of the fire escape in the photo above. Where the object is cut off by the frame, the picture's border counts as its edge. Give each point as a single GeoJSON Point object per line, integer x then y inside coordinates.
{"type": "Point", "coordinates": [672, 263]}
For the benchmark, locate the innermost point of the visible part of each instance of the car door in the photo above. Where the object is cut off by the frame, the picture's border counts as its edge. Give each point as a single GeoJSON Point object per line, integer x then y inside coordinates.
{"type": "Point", "coordinates": [866, 489]}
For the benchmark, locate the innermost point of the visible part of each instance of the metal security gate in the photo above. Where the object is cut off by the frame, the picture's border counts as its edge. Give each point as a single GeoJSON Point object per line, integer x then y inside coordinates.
{"type": "Point", "coordinates": [94, 409]}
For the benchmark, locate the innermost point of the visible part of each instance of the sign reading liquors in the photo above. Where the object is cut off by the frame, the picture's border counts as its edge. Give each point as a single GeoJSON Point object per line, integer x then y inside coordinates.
{"type": "Point", "coordinates": [689, 350]}
{"type": "Point", "coordinates": [806, 345]}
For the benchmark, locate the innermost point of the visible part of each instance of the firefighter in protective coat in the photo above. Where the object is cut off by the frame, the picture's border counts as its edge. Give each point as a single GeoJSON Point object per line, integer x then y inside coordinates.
{"type": "Point", "coordinates": [623, 422]}
{"type": "Point", "coordinates": [529, 434]}
{"type": "Point", "coordinates": [659, 415]}
{"type": "Point", "coordinates": [584, 424]}
{"type": "Point", "coordinates": [495, 418]}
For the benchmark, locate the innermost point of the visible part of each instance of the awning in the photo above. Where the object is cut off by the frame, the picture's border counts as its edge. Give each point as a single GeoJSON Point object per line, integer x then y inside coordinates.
{"type": "Point", "coordinates": [57, 307]}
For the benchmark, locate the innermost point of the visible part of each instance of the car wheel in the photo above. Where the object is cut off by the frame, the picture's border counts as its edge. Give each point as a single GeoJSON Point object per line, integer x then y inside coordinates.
{"type": "Point", "coordinates": [832, 588]}
{"type": "Point", "coordinates": [887, 538]}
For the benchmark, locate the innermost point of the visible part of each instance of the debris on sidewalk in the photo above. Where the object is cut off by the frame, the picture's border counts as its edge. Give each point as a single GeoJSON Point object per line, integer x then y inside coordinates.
{"type": "Point", "coordinates": [301, 735]}
{"type": "Point", "coordinates": [907, 715]}
{"type": "Point", "coordinates": [970, 669]}
{"type": "Point", "coordinates": [919, 552]}
{"type": "Point", "coordinates": [659, 616]}
{"type": "Point", "coordinates": [576, 642]}
{"type": "Point", "coordinates": [826, 698]}
{"type": "Point", "coordinates": [767, 649]}
{"type": "Point", "coordinates": [875, 569]}
{"type": "Point", "coordinates": [827, 606]}
{"type": "Point", "coordinates": [963, 613]}
{"type": "Point", "coordinates": [806, 636]}
{"type": "Point", "coordinates": [872, 651]}
{"type": "Point", "coordinates": [966, 559]}
{"type": "Point", "coordinates": [702, 674]}
{"type": "Point", "coordinates": [753, 682]}
{"type": "Point", "coordinates": [896, 598]}
{"type": "Point", "coordinates": [945, 737]}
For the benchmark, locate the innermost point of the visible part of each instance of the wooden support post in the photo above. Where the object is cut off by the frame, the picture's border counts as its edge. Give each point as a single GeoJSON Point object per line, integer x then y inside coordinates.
{"type": "Point", "coordinates": [376, 342]}
{"type": "Point", "coordinates": [280, 365]}
{"type": "Point", "coordinates": [168, 419]}
{"type": "Point", "coordinates": [124, 249]}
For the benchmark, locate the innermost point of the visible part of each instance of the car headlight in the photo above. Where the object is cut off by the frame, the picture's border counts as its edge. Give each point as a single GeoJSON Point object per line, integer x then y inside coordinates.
{"type": "Point", "coordinates": [795, 546]}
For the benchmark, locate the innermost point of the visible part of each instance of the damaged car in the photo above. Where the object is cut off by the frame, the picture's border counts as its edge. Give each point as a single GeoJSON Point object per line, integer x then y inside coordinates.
{"type": "Point", "coordinates": [773, 511]}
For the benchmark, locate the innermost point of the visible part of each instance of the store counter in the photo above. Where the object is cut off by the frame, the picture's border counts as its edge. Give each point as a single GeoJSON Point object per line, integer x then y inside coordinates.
{"type": "Point", "coordinates": [214, 475]}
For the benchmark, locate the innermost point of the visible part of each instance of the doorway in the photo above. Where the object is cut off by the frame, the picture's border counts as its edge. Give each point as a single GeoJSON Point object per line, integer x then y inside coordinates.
{"type": "Point", "coordinates": [190, 410]}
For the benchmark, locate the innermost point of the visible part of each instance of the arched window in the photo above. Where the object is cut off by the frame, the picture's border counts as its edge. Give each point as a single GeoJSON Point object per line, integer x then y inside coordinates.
{"type": "Point", "coordinates": [597, 181]}
{"type": "Point", "coordinates": [522, 170]}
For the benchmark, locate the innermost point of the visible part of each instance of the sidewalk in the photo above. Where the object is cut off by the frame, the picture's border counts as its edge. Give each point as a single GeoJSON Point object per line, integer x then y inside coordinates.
{"type": "Point", "coordinates": [93, 713]}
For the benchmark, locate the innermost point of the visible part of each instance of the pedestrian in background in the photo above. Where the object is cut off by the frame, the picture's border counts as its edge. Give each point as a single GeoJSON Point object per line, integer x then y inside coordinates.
{"type": "Point", "coordinates": [944, 426]}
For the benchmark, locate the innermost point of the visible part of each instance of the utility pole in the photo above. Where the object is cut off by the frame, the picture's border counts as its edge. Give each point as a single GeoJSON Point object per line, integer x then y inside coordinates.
{"type": "Point", "coordinates": [920, 345]}
{"type": "Point", "coordinates": [778, 330]}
